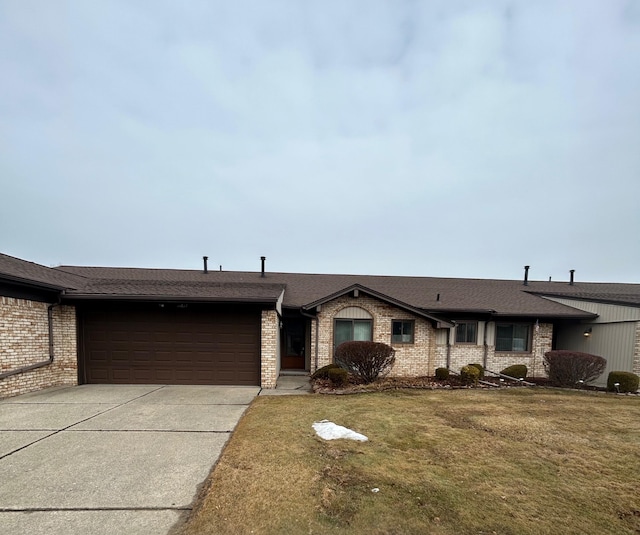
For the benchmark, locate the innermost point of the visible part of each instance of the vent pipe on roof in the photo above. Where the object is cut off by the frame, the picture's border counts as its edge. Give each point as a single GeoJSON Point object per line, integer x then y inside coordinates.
{"type": "Point", "coordinates": [571, 272]}
{"type": "Point", "coordinates": [526, 276]}
{"type": "Point", "coordinates": [262, 258]}
{"type": "Point", "coordinates": [204, 259]}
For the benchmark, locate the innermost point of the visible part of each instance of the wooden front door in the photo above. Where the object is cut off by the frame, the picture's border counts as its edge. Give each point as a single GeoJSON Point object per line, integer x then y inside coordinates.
{"type": "Point", "coordinates": [293, 342]}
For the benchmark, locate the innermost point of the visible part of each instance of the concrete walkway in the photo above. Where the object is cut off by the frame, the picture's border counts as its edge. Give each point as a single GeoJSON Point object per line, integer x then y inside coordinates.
{"type": "Point", "coordinates": [287, 385]}
{"type": "Point", "coordinates": [106, 459]}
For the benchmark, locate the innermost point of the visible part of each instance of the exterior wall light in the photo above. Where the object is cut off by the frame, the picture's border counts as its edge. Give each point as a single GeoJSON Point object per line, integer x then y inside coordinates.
{"type": "Point", "coordinates": [587, 332]}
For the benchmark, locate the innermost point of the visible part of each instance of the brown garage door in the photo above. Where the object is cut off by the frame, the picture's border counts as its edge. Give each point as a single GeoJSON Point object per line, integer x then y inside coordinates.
{"type": "Point", "coordinates": [170, 345]}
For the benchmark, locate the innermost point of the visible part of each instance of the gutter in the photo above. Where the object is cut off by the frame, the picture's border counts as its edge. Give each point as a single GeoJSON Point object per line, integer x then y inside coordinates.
{"type": "Point", "coordinates": [170, 299]}
{"type": "Point", "coordinates": [30, 282]}
{"type": "Point", "coordinates": [43, 363]}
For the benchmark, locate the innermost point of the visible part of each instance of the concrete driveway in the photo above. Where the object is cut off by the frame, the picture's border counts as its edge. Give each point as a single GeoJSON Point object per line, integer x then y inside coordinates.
{"type": "Point", "coordinates": [100, 459]}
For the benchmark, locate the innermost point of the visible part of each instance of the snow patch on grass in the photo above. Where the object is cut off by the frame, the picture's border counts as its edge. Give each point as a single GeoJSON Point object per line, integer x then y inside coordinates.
{"type": "Point", "coordinates": [330, 431]}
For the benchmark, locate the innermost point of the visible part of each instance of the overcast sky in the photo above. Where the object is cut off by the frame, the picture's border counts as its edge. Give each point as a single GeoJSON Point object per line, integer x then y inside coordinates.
{"type": "Point", "coordinates": [434, 138]}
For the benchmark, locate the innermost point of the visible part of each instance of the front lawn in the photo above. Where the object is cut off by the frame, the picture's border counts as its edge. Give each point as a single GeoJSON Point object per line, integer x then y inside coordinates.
{"type": "Point", "coordinates": [518, 461]}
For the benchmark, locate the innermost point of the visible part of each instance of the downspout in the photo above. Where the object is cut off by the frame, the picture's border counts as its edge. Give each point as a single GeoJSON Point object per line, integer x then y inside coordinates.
{"type": "Point", "coordinates": [51, 349]}
{"type": "Point", "coordinates": [485, 353]}
{"type": "Point", "coordinates": [449, 349]}
{"type": "Point", "coordinates": [317, 336]}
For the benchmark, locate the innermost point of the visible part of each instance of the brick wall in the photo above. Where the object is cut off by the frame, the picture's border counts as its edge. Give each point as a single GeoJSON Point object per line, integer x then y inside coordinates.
{"type": "Point", "coordinates": [24, 340]}
{"type": "Point", "coordinates": [463, 354]}
{"type": "Point", "coordinates": [270, 349]}
{"type": "Point", "coordinates": [411, 359]}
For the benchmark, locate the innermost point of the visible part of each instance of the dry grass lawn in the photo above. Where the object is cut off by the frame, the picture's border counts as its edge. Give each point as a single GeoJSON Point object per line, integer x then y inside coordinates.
{"type": "Point", "coordinates": [518, 461]}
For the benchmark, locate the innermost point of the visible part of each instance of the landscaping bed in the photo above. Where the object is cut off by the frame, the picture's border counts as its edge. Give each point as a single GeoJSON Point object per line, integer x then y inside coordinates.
{"type": "Point", "coordinates": [325, 386]}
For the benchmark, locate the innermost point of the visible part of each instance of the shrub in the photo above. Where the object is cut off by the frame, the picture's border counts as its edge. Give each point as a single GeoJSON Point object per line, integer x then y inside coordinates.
{"type": "Point", "coordinates": [366, 360]}
{"type": "Point", "coordinates": [517, 371]}
{"type": "Point", "coordinates": [323, 373]}
{"type": "Point", "coordinates": [568, 368]}
{"type": "Point", "coordinates": [627, 382]}
{"type": "Point", "coordinates": [338, 376]}
{"type": "Point", "coordinates": [470, 374]}
{"type": "Point", "coordinates": [442, 374]}
{"type": "Point", "coordinates": [480, 369]}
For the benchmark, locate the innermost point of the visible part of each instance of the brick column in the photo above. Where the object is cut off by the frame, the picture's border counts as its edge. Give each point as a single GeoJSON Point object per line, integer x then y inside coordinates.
{"type": "Point", "coordinates": [269, 353]}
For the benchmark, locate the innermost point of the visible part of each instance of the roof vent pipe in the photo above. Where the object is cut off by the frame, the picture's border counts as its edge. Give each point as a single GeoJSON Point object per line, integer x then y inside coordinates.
{"type": "Point", "coordinates": [526, 276]}
{"type": "Point", "coordinates": [571, 272]}
{"type": "Point", "coordinates": [204, 259]}
{"type": "Point", "coordinates": [262, 258]}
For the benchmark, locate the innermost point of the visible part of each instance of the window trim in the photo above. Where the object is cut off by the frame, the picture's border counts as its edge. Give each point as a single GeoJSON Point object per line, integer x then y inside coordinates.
{"type": "Point", "coordinates": [413, 331]}
{"type": "Point", "coordinates": [467, 322]}
{"type": "Point", "coordinates": [529, 341]}
{"type": "Point", "coordinates": [352, 321]}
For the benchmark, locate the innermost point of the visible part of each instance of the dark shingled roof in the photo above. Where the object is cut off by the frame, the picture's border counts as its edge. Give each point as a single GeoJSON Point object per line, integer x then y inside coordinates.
{"type": "Point", "coordinates": [498, 297]}
{"type": "Point", "coordinates": [20, 271]}
{"type": "Point", "coordinates": [435, 295]}
{"type": "Point", "coordinates": [178, 290]}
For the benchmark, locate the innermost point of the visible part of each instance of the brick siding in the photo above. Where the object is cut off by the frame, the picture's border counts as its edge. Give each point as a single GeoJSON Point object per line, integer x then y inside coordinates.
{"type": "Point", "coordinates": [24, 340]}
{"type": "Point", "coordinates": [463, 354]}
{"type": "Point", "coordinates": [411, 359]}
{"type": "Point", "coordinates": [270, 352]}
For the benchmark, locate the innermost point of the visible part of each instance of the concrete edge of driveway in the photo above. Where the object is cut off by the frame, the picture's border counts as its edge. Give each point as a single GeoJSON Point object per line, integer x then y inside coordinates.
{"type": "Point", "coordinates": [82, 455]}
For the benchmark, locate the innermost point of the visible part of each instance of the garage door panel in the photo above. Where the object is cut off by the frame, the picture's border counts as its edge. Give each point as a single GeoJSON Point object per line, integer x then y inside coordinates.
{"type": "Point", "coordinates": [99, 376]}
{"type": "Point", "coordinates": [120, 355]}
{"type": "Point", "coordinates": [121, 374]}
{"type": "Point", "coordinates": [141, 357]}
{"type": "Point", "coordinates": [181, 347]}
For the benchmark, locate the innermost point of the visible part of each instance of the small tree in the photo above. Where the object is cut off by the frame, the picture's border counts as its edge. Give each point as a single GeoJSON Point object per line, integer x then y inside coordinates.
{"type": "Point", "coordinates": [366, 360]}
{"type": "Point", "coordinates": [571, 368]}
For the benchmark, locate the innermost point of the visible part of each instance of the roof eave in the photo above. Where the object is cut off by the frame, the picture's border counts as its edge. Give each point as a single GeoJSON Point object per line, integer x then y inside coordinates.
{"type": "Point", "coordinates": [602, 300]}
{"type": "Point", "coordinates": [586, 315]}
{"type": "Point", "coordinates": [382, 297]}
{"type": "Point", "coordinates": [168, 298]}
{"type": "Point", "coordinates": [31, 283]}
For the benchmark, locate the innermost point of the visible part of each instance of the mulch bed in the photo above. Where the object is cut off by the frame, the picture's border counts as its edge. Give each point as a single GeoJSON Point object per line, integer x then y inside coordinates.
{"type": "Point", "coordinates": [324, 386]}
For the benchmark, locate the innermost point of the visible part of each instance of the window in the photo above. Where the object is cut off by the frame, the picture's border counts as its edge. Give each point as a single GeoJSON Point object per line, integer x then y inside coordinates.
{"type": "Point", "coordinates": [512, 337]}
{"type": "Point", "coordinates": [347, 330]}
{"type": "Point", "coordinates": [466, 332]}
{"type": "Point", "coordinates": [402, 331]}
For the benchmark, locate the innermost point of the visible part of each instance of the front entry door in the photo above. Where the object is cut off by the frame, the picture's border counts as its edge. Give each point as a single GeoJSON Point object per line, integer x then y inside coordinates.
{"type": "Point", "coordinates": [293, 341]}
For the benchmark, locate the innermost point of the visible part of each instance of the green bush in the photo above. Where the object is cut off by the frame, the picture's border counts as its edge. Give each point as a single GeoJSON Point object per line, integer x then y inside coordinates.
{"type": "Point", "coordinates": [366, 360]}
{"type": "Point", "coordinates": [338, 376]}
{"type": "Point", "coordinates": [627, 382]}
{"type": "Point", "coordinates": [470, 374]}
{"type": "Point", "coordinates": [323, 373]}
{"type": "Point", "coordinates": [442, 374]}
{"type": "Point", "coordinates": [518, 371]}
{"type": "Point", "coordinates": [480, 369]}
